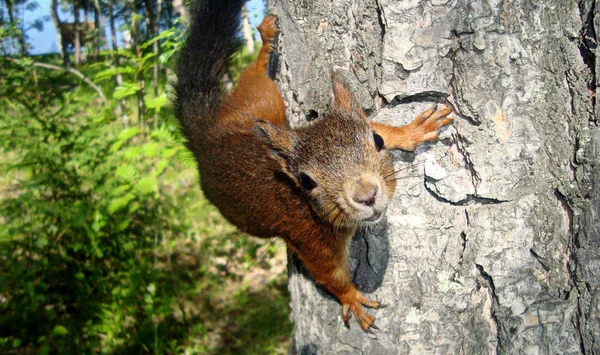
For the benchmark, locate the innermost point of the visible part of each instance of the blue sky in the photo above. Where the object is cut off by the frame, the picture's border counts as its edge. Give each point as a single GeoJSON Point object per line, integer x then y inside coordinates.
{"type": "Point", "coordinates": [45, 41]}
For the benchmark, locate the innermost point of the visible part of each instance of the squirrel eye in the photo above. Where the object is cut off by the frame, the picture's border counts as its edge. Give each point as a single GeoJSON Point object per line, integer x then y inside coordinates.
{"type": "Point", "coordinates": [307, 182]}
{"type": "Point", "coordinates": [378, 141]}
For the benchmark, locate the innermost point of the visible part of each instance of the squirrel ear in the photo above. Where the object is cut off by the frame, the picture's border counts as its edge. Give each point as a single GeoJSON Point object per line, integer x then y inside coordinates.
{"type": "Point", "coordinates": [281, 140]}
{"type": "Point", "coordinates": [343, 98]}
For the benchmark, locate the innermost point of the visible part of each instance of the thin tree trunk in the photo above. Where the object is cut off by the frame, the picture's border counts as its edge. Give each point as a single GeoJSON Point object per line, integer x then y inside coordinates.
{"type": "Point", "coordinates": [77, 41]}
{"type": "Point", "coordinates": [492, 242]}
{"type": "Point", "coordinates": [99, 20]}
{"type": "Point", "coordinates": [247, 32]}
{"type": "Point", "coordinates": [115, 60]}
{"type": "Point", "coordinates": [138, 53]}
{"type": "Point", "coordinates": [84, 32]}
{"type": "Point", "coordinates": [153, 15]}
{"type": "Point", "coordinates": [62, 48]}
{"type": "Point", "coordinates": [20, 36]}
{"type": "Point", "coordinates": [156, 47]}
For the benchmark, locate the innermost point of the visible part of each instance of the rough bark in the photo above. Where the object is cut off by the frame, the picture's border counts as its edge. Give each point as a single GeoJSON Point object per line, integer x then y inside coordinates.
{"type": "Point", "coordinates": [492, 243]}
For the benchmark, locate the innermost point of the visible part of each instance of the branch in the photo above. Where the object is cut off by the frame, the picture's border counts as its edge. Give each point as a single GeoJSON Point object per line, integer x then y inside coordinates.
{"type": "Point", "coordinates": [72, 71]}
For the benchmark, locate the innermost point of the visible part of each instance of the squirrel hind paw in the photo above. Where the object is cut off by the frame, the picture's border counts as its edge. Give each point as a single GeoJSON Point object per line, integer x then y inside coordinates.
{"type": "Point", "coordinates": [269, 28]}
{"type": "Point", "coordinates": [366, 321]}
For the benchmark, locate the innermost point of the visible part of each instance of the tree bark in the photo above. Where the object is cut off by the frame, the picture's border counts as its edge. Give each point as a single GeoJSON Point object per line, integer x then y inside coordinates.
{"type": "Point", "coordinates": [492, 242]}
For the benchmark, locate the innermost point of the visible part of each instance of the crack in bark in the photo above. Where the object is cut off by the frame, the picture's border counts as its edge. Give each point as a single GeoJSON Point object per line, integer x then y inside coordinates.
{"type": "Point", "coordinates": [470, 200]}
{"type": "Point", "coordinates": [381, 19]}
{"type": "Point", "coordinates": [461, 144]}
{"type": "Point", "coordinates": [475, 121]}
{"type": "Point", "coordinates": [424, 96]}
{"type": "Point", "coordinates": [539, 259]}
{"type": "Point", "coordinates": [577, 324]}
{"type": "Point", "coordinates": [587, 43]}
{"type": "Point", "coordinates": [567, 205]}
{"type": "Point", "coordinates": [463, 237]}
{"type": "Point", "coordinates": [495, 303]}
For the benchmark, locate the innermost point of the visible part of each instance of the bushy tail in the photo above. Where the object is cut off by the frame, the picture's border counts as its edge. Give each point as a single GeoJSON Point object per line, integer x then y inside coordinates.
{"type": "Point", "coordinates": [204, 59]}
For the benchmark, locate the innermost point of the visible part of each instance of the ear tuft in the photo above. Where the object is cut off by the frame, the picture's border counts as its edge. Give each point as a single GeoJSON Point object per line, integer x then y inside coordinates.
{"type": "Point", "coordinates": [281, 142]}
{"type": "Point", "coordinates": [281, 139]}
{"type": "Point", "coordinates": [343, 99]}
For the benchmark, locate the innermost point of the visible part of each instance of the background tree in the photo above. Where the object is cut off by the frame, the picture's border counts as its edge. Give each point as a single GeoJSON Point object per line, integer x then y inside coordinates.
{"type": "Point", "coordinates": [492, 242]}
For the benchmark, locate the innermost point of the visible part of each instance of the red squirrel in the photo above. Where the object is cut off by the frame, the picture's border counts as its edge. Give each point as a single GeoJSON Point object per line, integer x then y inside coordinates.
{"type": "Point", "coordinates": [311, 186]}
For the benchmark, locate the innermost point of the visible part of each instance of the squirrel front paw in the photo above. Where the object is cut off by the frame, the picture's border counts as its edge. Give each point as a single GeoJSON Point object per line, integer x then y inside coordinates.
{"type": "Point", "coordinates": [424, 128]}
{"type": "Point", "coordinates": [353, 302]}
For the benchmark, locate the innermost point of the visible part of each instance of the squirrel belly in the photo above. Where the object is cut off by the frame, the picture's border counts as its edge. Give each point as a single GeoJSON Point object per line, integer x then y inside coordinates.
{"type": "Point", "coordinates": [312, 186]}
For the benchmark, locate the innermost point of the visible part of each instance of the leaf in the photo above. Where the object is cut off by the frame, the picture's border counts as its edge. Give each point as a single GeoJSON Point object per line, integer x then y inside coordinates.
{"type": "Point", "coordinates": [123, 225]}
{"type": "Point", "coordinates": [126, 172]}
{"type": "Point", "coordinates": [41, 242]}
{"type": "Point", "coordinates": [150, 149]}
{"type": "Point", "coordinates": [151, 288]}
{"type": "Point", "coordinates": [120, 202]}
{"type": "Point", "coordinates": [124, 136]}
{"type": "Point", "coordinates": [111, 72]}
{"type": "Point", "coordinates": [157, 103]}
{"type": "Point", "coordinates": [168, 33]}
{"type": "Point", "coordinates": [127, 89]}
{"type": "Point", "coordinates": [120, 190]}
{"type": "Point", "coordinates": [146, 185]}
{"type": "Point", "coordinates": [160, 167]}
{"type": "Point", "coordinates": [168, 153]}
{"type": "Point", "coordinates": [59, 330]}
{"type": "Point", "coordinates": [165, 56]}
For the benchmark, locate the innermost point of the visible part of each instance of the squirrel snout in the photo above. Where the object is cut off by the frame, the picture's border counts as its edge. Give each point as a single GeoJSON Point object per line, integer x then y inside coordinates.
{"type": "Point", "coordinates": [365, 193]}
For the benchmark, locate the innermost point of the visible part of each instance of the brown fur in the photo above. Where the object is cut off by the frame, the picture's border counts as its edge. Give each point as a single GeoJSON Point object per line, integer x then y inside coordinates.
{"type": "Point", "coordinates": [250, 163]}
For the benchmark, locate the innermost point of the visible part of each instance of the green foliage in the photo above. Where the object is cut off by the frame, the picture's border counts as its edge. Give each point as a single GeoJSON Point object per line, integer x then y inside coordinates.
{"type": "Point", "coordinates": [106, 243]}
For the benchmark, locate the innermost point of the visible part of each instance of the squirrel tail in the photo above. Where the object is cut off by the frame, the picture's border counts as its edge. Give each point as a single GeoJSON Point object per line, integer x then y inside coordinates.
{"type": "Point", "coordinates": [204, 59]}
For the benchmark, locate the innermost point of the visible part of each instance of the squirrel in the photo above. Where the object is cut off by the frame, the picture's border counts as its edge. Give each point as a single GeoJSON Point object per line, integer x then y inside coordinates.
{"type": "Point", "coordinates": [311, 186]}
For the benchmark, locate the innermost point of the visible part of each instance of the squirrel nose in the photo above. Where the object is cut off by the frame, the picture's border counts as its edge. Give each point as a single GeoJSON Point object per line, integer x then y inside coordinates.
{"type": "Point", "coordinates": [365, 194]}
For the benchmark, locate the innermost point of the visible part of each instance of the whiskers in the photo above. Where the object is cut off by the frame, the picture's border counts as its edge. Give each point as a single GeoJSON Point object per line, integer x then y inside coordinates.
{"type": "Point", "coordinates": [336, 217]}
{"type": "Point", "coordinates": [389, 176]}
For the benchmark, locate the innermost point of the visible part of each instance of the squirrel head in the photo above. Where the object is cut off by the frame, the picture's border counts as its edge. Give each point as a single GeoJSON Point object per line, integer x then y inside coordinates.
{"type": "Point", "coordinates": [339, 162]}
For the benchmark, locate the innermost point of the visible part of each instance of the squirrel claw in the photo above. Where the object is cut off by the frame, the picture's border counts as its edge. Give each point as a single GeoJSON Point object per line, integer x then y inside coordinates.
{"type": "Point", "coordinates": [353, 302]}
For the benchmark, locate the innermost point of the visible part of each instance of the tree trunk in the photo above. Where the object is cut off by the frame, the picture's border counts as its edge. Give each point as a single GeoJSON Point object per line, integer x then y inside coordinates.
{"type": "Point", "coordinates": [247, 32]}
{"type": "Point", "coordinates": [60, 42]}
{"type": "Point", "coordinates": [492, 243]}
{"type": "Point", "coordinates": [153, 14]}
{"type": "Point", "coordinates": [99, 20]}
{"type": "Point", "coordinates": [135, 32]}
{"type": "Point", "coordinates": [77, 41]}
{"type": "Point", "coordinates": [115, 60]}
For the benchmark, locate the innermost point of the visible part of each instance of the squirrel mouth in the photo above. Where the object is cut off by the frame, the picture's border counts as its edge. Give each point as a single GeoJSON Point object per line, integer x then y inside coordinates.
{"type": "Point", "coordinates": [375, 217]}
